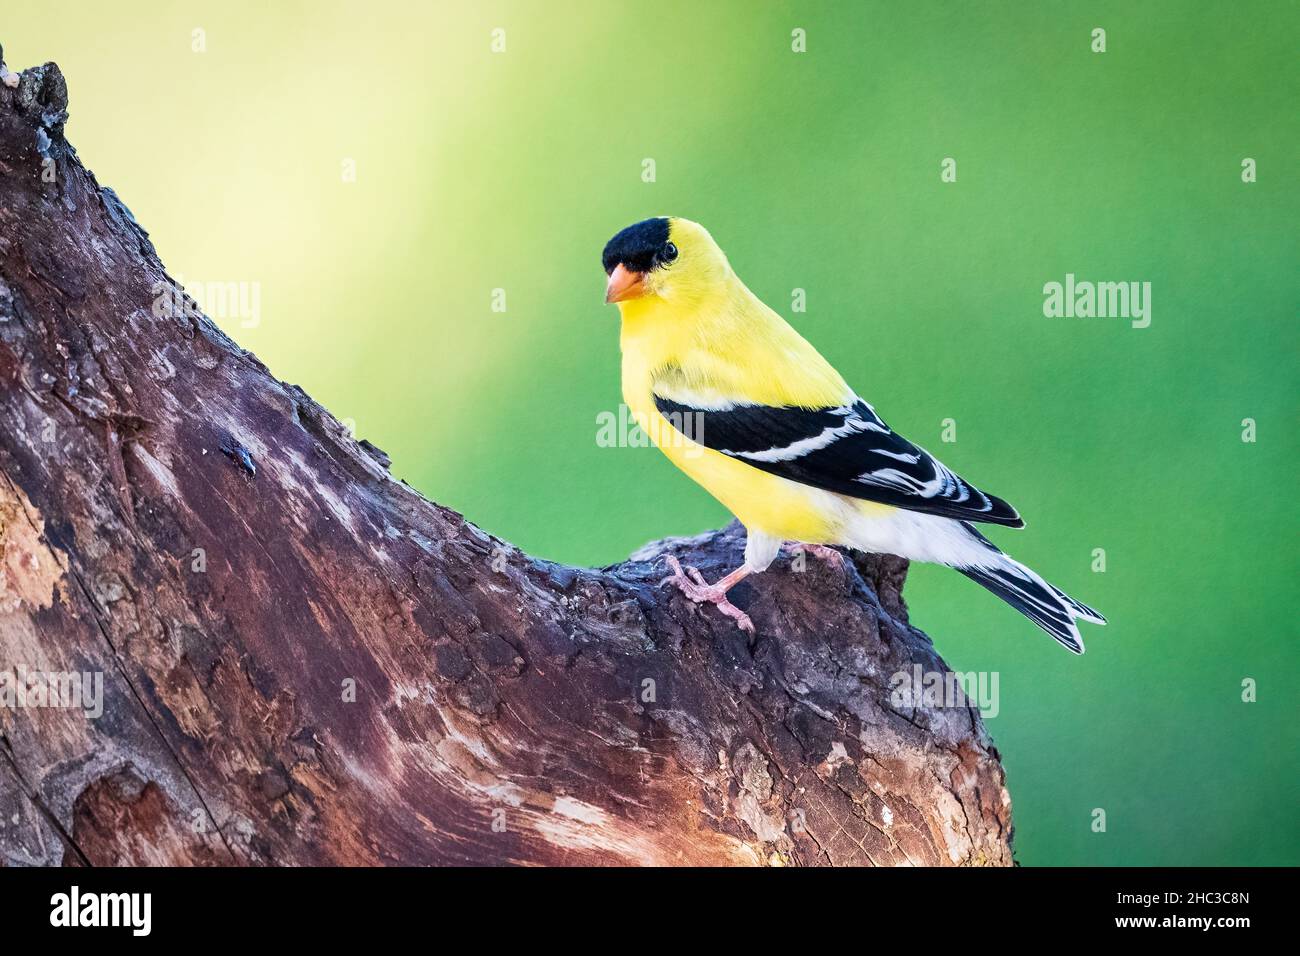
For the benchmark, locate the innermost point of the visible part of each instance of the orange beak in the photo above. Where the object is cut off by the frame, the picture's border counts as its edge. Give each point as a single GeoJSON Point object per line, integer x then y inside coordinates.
{"type": "Point", "coordinates": [624, 284]}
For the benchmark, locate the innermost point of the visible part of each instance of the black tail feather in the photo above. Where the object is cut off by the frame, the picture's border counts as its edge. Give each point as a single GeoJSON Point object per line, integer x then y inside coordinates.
{"type": "Point", "coordinates": [1049, 607]}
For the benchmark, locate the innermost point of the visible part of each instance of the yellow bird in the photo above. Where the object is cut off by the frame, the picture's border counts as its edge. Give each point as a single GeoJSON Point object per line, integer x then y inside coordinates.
{"type": "Point", "coordinates": [738, 400]}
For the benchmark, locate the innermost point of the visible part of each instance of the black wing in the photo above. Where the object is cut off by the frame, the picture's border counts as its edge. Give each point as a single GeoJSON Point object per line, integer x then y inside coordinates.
{"type": "Point", "coordinates": [847, 449]}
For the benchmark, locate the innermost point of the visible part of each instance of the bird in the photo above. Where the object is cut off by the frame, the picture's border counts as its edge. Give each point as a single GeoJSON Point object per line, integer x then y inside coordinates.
{"type": "Point", "coordinates": [748, 408]}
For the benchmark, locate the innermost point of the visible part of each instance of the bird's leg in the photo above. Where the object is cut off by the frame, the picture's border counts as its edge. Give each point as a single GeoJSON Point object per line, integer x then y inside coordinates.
{"type": "Point", "coordinates": [691, 583]}
{"type": "Point", "coordinates": [821, 552]}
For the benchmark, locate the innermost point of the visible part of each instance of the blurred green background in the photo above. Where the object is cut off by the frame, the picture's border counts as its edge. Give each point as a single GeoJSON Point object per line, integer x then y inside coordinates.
{"type": "Point", "coordinates": [477, 170]}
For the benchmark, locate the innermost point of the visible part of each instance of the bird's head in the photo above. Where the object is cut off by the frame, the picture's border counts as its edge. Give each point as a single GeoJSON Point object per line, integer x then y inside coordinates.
{"type": "Point", "coordinates": [671, 258]}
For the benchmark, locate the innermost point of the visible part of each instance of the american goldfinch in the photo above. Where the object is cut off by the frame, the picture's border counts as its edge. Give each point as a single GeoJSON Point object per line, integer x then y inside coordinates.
{"type": "Point", "coordinates": [738, 400]}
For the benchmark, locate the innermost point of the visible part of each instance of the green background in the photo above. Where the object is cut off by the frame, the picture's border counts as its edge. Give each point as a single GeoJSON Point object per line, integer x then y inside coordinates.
{"type": "Point", "coordinates": [819, 171]}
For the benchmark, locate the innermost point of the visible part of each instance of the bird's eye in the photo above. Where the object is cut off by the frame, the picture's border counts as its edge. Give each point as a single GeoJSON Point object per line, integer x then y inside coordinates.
{"type": "Point", "coordinates": [669, 253]}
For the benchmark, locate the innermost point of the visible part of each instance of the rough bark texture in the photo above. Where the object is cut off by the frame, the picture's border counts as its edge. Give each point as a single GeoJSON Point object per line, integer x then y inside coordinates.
{"type": "Point", "coordinates": [218, 546]}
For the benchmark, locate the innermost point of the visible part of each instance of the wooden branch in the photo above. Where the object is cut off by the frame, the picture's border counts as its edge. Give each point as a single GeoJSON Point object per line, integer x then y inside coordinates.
{"type": "Point", "coordinates": [306, 662]}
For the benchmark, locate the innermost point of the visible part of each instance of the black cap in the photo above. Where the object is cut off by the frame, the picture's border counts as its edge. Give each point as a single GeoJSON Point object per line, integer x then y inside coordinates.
{"type": "Point", "coordinates": [637, 246]}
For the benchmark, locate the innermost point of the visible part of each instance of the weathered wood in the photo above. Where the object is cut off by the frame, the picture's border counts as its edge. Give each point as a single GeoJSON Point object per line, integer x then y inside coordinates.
{"type": "Point", "coordinates": [221, 549]}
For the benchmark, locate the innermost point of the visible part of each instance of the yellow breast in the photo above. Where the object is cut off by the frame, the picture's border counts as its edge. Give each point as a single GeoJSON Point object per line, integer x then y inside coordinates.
{"type": "Point", "coordinates": [726, 346]}
{"type": "Point", "coordinates": [762, 501]}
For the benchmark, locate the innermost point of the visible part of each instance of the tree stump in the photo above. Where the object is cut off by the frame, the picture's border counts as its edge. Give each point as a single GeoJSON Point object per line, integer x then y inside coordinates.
{"type": "Point", "coordinates": [306, 662]}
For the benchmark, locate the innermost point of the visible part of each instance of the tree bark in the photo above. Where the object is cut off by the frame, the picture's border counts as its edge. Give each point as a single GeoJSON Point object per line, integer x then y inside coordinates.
{"type": "Point", "coordinates": [306, 662]}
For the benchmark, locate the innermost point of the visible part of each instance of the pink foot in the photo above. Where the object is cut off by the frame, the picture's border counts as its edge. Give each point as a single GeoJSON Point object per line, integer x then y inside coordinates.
{"type": "Point", "coordinates": [691, 583]}
{"type": "Point", "coordinates": [829, 556]}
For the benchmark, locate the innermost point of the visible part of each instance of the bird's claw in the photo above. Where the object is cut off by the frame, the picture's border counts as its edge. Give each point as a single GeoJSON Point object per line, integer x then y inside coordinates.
{"type": "Point", "coordinates": [827, 555]}
{"type": "Point", "coordinates": [692, 584]}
